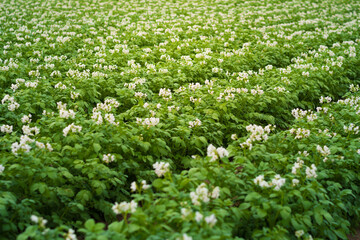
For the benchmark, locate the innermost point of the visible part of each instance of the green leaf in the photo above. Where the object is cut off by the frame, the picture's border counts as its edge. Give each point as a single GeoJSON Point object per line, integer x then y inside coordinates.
{"type": "Point", "coordinates": [285, 213]}
{"type": "Point", "coordinates": [252, 196]}
{"type": "Point", "coordinates": [97, 147]}
{"type": "Point", "coordinates": [89, 224]}
{"type": "Point", "coordinates": [158, 183]}
{"type": "Point", "coordinates": [133, 228]}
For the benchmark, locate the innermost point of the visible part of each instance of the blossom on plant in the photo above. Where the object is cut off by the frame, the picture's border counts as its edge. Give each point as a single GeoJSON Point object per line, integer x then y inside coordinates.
{"type": "Point", "coordinates": [311, 172]}
{"type": "Point", "coordinates": [186, 237]}
{"type": "Point", "coordinates": [165, 94]}
{"type": "Point", "coordinates": [185, 212]}
{"type": "Point", "coordinates": [351, 129]}
{"type": "Point", "coordinates": [133, 186]}
{"type": "Point", "coordinates": [195, 123]}
{"type": "Point", "coordinates": [39, 220]}
{"type": "Point", "coordinates": [201, 194]}
{"type": "Point", "coordinates": [145, 186]}
{"type": "Point", "coordinates": [13, 105]}
{"type": "Point", "coordinates": [324, 151]}
{"type": "Point", "coordinates": [6, 128]}
{"type": "Point", "coordinates": [22, 145]}
{"type": "Point", "coordinates": [26, 119]}
{"type": "Point", "coordinates": [297, 165]}
{"type": "Point", "coordinates": [161, 168]}
{"type": "Point", "coordinates": [30, 131]}
{"type": "Point", "coordinates": [149, 122]}
{"type": "Point", "coordinates": [108, 158]}
{"type": "Point", "coordinates": [73, 128]}
{"type": "Point", "coordinates": [198, 217]}
{"type": "Point", "coordinates": [295, 182]}
{"type": "Point", "coordinates": [2, 168]}
{"type": "Point", "coordinates": [216, 153]}
{"type": "Point", "coordinates": [325, 99]}
{"type": "Point", "coordinates": [258, 133]}
{"type": "Point", "coordinates": [70, 235]}
{"type": "Point", "coordinates": [233, 136]}
{"type": "Point", "coordinates": [215, 193]}
{"type": "Point", "coordinates": [299, 233]}
{"type": "Point", "coordinates": [278, 182]}
{"type": "Point", "coordinates": [124, 207]}
{"type": "Point", "coordinates": [211, 220]}
{"type": "Point", "coordinates": [300, 133]}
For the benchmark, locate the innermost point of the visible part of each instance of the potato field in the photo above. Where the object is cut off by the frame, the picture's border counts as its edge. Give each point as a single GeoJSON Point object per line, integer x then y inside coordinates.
{"type": "Point", "coordinates": [179, 119]}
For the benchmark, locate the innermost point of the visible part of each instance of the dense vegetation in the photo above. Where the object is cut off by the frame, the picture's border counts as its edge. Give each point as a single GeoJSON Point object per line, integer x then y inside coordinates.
{"type": "Point", "coordinates": [179, 119]}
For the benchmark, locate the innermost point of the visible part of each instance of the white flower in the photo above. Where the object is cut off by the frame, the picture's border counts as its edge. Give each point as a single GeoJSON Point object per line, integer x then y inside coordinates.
{"type": "Point", "coordinates": [39, 220]}
{"type": "Point", "coordinates": [133, 186]}
{"type": "Point", "coordinates": [144, 185]}
{"type": "Point", "coordinates": [165, 94]}
{"type": "Point", "coordinates": [278, 182]}
{"type": "Point", "coordinates": [149, 122]}
{"type": "Point", "coordinates": [233, 136]}
{"type": "Point", "coordinates": [6, 128]}
{"type": "Point", "coordinates": [70, 235]}
{"type": "Point", "coordinates": [185, 212]}
{"type": "Point", "coordinates": [22, 145]}
{"type": "Point", "coordinates": [216, 153]}
{"type": "Point", "coordinates": [324, 151]}
{"type": "Point", "coordinates": [198, 217]}
{"type": "Point", "coordinates": [295, 182]}
{"type": "Point", "coordinates": [299, 233]}
{"type": "Point", "coordinates": [30, 131]}
{"type": "Point", "coordinates": [108, 158]}
{"type": "Point", "coordinates": [201, 194]}
{"type": "Point", "coordinates": [211, 220]}
{"type": "Point", "coordinates": [186, 237]}
{"type": "Point", "coordinates": [215, 193]}
{"type": "Point", "coordinates": [124, 207]}
{"type": "Point", "coordinates": [73, 128]}
{"type": "Point", "coordinates": [26, 119]}
{"type": "Point", "coordinates": [311, 172]}
{"type": "Point", "coordinates": [161, 168]}
{"type": "Point", "coordinates": [195, 123]}
{"type": "Point", "coordinates": [2, 168]}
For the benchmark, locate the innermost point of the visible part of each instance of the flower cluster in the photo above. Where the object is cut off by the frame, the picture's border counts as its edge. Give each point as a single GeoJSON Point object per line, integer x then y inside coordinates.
{"type": "Point", "coordinates": [124, 207]}
{"type": "Point", "coordinates": [258, 133]}
{"type": "Point", "coordinates": [70, 235]}
{"type": "Point", "coordinates": [299, 114]}
{"type": "Point", "coordinates": [351, 129]}
{"type": "Point", "coordinates": [202, 194]}
{"type": "Point", "coordinates": [311, 171]}
{"type": "Point", "coordinates": [12, 105]}
{"type": "Point", "coordinates": [71, 128]}
{"type": "Point", "coordinates": [165, 94]}
{"type": "Point", "coordinates": [161, 168]}
{"type": "Point", "coordinates": [277, 182]}
{"type": "Point", "coordinates": [64, 113]}
{"type": "Point", "coordinates": [300, 133]}
{"type": "Point", "coordinates": [6, 128]}
{"type": "Point", "coordinates": [195, 123]}
{"type": "Point", "coordinates": [216, 153]}
{"type": "Point", "coordinates": [210, 220]}
{"type": "Point", "coordinates": [148, 122]}
{"type": "Point", "coordinates": [324, 151]}
{"type": "Point", "coordinates": [39, 220]}
{"type": "Point", "coordinates": [143, 185]}
{"type": "Point", "coordinates": [108, 158]}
